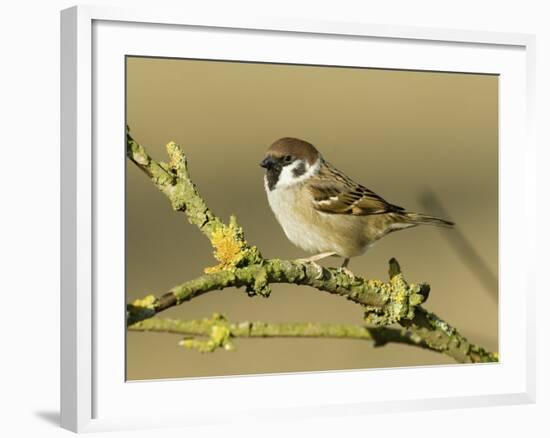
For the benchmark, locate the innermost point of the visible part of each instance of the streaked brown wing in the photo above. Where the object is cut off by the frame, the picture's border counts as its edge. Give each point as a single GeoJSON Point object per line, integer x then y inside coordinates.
{"type": "Point", "coordinates": [335, 193]}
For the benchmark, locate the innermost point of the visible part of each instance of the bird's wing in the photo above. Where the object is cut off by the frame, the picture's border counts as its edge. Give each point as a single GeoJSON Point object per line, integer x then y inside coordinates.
{"type": "Point", "coordinates": [335, 193]}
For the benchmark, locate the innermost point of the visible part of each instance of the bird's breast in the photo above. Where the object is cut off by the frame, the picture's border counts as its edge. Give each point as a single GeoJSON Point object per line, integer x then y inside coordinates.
{"type": "Point", "coordinates": [311, 230]}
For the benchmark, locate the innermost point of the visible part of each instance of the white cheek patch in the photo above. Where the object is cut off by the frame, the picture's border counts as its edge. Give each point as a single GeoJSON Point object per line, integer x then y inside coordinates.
{"type": "Point", "coordinates": [287, 177]}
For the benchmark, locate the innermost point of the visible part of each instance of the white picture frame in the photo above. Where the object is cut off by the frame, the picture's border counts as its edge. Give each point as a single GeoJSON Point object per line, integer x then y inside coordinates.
{"type": "Point", "coordinates": [93, 396]}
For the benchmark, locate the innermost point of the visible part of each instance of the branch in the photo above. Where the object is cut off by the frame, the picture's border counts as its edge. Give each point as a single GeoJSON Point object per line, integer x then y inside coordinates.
{"type": "Point", "coordinates": [220, 332]}
{"type": "Point", "coordinates": [241, 265]}
{"type": "Point", "coordinates": [173, 180]}
{"type": "Point", "coordinates": [440, 335]}
{"type": "Point", "coordinates": [383, 303]}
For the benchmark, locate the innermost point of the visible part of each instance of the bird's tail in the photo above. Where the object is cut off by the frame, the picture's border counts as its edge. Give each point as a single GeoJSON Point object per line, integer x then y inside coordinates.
{"type": "Point", "coordinates": [421, 219]}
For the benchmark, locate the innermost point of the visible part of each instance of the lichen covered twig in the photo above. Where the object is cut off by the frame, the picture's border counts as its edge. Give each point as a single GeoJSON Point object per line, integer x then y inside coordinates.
{"type": "Point", "coordinates": [208, 334]}
{"type": "Point", "coordinates": [241, 265]}
{"type": "Point", "coordinates": [383, 303]}
{"type": "Point", "coordinates": [172, 179]}
{"type": "Point", "coordinates": [441, 336]}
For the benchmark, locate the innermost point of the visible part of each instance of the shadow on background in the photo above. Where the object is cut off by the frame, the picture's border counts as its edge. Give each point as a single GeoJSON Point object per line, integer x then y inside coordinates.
{"type": "Point", "coordinates": [463, 247]}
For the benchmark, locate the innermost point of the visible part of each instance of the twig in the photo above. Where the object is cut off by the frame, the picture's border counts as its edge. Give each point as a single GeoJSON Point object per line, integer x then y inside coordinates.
{"type": "Point", "coordinates": [219, 332]}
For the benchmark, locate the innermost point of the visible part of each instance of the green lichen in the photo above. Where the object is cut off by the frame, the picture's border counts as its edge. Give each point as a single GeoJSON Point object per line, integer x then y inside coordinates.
{"type": "Point", "coordinates": [139, 155]}
{"type": "Point", "coordinates": [178, 161]}
{"type": "Point", "coordinates": [219, 336]}
{"type": "Point", "coordinates": [400, 299]}
{"type": "Point", "coordinates": [261, 284]}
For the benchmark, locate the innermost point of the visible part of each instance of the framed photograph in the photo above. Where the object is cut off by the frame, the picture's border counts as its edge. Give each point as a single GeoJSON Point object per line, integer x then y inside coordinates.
{"type": "Point", "coordinates": [253, 208]}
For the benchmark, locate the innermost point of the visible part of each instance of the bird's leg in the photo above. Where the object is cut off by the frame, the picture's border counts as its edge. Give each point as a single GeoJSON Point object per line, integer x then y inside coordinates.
{"type": "Point", "coordinates": [344, 268]}
{"type": "Point", "coordinates": [316, 257]}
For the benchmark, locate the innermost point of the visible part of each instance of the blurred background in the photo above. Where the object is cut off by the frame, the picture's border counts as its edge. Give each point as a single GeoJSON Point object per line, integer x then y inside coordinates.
{"type": "Point", "coordinates": [426, 141]}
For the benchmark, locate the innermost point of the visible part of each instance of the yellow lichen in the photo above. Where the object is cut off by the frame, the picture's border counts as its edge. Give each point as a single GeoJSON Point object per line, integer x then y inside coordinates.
{"type": "Point", "coordinates": [147, 302]}
{"type": "Point", "coordinates": [220, 335]}
{"type": "Point", "coordinates": [227, 248]}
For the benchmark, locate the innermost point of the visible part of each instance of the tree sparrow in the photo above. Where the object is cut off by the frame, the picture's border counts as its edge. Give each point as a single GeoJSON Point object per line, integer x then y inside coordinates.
{"type": "Point", "coordinates": [323, 211]}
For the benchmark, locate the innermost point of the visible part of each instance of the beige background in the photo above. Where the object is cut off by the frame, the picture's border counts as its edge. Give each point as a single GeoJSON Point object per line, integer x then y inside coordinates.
{"type": "Point", "coordinates": [400, 133]}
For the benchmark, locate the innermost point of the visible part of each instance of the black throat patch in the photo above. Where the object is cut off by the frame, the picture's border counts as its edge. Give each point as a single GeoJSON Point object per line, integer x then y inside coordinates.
{"type": "Point", "coordinates": [274, 172]}
{"type": "Point", "coordinates": [272, 176]}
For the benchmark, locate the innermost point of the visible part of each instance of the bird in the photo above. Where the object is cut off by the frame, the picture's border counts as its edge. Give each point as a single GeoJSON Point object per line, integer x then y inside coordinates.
{"type": "Point", "coordinates": [323, 211]}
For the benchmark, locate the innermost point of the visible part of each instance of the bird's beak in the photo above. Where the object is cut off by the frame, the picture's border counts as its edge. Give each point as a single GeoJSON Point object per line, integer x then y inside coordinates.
{"type": "Point", "coordinates": [268, 162]}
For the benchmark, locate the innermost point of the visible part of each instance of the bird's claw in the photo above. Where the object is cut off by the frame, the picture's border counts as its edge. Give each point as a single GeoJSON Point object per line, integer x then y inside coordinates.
{"type": "Point", "coordinates": [317, 266]}
{"type": "Point", "coordinates": [346, 271]}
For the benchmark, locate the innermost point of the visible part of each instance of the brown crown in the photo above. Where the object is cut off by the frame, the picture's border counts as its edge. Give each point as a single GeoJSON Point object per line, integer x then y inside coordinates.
{"type": "Point", "coordinates": [294, 146]}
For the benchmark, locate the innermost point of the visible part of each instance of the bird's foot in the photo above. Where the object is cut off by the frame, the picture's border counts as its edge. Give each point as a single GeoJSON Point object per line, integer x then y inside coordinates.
{"type": "Point", "coordinates": [346, 271]}
{"type": "Point", "coordinates": [317, 266]}
{"type": "Point", "coordinates": [312, 260]}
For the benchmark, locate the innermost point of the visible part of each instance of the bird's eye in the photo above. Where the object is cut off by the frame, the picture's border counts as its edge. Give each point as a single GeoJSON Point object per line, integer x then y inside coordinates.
{"type": "Point", "coordinates": [287, 158]}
